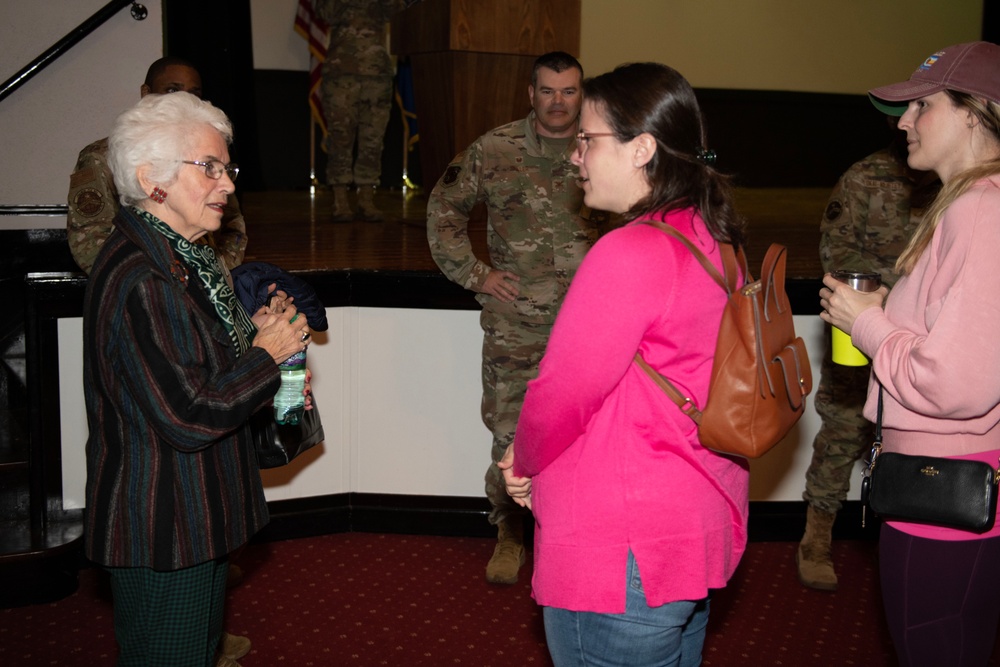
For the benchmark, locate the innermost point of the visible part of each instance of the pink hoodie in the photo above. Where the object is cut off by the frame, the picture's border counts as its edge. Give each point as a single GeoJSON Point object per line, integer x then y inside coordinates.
{"type": "Point", "coordinates": [936, 346]}
{"type": "Point", "coordinates": [615, 465]}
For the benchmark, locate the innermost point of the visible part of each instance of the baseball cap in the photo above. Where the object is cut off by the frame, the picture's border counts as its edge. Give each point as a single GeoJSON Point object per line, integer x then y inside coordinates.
{"type": "Point", "coordinates": [972, 68]}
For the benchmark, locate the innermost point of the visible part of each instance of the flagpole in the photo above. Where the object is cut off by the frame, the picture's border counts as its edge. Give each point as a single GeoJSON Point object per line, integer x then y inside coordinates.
{"type": "Point", "coordinates": [312, 155]}
{"type": "Point", "coordinates": [316, 34]}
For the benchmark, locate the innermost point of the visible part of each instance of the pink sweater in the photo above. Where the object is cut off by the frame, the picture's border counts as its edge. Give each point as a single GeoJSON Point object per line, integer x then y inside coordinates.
{"type": "Point", "coordinates": [936, 346]}
{"type": "Point", "coordinates": [615, 464]}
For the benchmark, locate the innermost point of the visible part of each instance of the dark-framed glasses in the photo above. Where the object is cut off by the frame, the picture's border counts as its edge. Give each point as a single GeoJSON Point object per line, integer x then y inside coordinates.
{"type": "Point", "coordinates": [215, 168]}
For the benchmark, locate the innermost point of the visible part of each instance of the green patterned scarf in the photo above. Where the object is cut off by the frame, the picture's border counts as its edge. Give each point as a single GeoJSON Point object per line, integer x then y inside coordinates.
{"type": "Point", "coordinates": [201, 258]}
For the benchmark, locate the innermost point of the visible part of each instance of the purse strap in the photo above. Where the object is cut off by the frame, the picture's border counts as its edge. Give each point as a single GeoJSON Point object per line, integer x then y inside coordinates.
{"type": "Point", "coordinates": [877, 440]}
{"type": "Point", "coordinates": [876, 449]}
{"type": "Point", "coordinates": [729, 282]}
{"type": "Point", "coordinates": [878, 420]}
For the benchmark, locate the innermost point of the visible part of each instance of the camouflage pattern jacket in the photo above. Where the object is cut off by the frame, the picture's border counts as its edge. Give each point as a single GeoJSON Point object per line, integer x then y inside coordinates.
{"type": "Point", "coordinates": [872, 212]}
{"type": "Point", "coordinates": [93, 203]}
{"type": "Point", "coordinates": [537, 227]}
{"type": "Point", "coordinates": [357, 35]}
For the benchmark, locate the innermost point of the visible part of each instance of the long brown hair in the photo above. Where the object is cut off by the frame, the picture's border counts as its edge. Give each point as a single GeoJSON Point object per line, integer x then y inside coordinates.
{"type": "Point", "coordinates": [652, 98]}
{"type": "Point", "coordinates": [987, 113]}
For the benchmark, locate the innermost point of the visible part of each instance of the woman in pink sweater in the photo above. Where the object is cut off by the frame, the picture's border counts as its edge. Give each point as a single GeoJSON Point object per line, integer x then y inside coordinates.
{"type": "Point", "coordinates": [613, 471]}
{"type": "Point", "coordinates": [935, 351]}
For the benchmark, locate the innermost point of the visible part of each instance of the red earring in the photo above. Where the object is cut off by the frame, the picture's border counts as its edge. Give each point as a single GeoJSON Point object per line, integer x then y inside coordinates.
{"type": "Point", "coordinates": [158, 195]}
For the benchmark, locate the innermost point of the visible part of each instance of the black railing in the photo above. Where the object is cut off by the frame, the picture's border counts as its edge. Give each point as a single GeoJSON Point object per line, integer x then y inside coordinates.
{"type": "Point", "coordinates": [66, 43]}
{"type": "Point", "coordinates": [34, 209]}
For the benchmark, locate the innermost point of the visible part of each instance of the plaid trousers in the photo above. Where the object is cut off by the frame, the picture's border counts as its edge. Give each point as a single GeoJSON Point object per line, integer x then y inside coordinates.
{"type": "Point", "coordinates": [169, 619]}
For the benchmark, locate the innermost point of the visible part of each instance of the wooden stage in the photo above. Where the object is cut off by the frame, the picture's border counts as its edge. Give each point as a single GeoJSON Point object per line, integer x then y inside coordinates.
{"type": "Point", "coordinates": [295, 230]}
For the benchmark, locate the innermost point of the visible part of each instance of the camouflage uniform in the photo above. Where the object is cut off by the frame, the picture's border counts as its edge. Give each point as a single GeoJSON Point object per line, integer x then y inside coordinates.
{"type": "Point", "coordinates": [869, 219]}
{"type": "Point", "coordinates": [356, 87]}
{"type": "Point", "coordinates": [538, 229]}
{"type": "Point", "coordinates": [93, 202]}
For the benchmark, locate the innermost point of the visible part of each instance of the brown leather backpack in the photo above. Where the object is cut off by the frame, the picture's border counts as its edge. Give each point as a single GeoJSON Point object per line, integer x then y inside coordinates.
{"type": "Point", "coordinates": [761, 373]}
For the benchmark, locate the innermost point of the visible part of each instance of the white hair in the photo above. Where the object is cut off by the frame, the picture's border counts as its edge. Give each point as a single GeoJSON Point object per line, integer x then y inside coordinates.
{"type": "Point", "coordinates": [158, 132]}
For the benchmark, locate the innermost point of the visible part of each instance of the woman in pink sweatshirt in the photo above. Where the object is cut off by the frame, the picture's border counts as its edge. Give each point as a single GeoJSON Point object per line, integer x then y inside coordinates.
{"type": "Point", "coordinates": [935, 351]}
{"type": "Point", "coordinates": [636, 522]}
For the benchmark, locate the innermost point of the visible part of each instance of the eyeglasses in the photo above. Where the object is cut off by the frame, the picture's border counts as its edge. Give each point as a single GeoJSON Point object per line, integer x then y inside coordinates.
{"type": "Point", "coordinates": [215, 168]}
{"type": "Point", "coordinates": [583, 138]}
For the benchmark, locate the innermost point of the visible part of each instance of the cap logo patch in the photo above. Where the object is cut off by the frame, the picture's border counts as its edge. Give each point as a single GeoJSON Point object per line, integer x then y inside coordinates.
{"type": "Point", "coordinates": [930, 61]}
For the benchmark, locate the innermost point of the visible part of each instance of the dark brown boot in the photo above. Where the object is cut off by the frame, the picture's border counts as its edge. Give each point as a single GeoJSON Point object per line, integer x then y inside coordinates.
{"type": "Point", "coordinates": [508, 556]}
{"type": "Point", "coordinates": [366, 204]}
{"type": "Point", "coordinates": [815, 563]}
{"type": "Point", "coordinates": [341, 205]}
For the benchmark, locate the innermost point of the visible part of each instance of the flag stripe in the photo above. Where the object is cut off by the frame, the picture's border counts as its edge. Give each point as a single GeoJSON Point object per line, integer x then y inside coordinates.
{"type": "Point", "coordinates": [315, 31]}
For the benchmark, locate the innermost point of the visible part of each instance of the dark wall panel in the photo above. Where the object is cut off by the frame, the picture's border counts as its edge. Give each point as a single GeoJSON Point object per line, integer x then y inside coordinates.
{"type": "Point", "coordinates": [787, 139]}
{"type": "Point", "coordinates": [283, 118]}
{"type": "Point", "coordinates": [763, 138]}
{"type": "Point", "coordinates": [283, 129]}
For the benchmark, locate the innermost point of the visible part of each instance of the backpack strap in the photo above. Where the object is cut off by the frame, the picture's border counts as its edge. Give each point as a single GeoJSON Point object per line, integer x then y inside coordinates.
{"type": "Point", "coordinates": [732, 259]}
{"type": "Point", "coordinates": [683, 402]}
{"type": "Point", "coordinates": [772, 273]}
{"type": "Point", "coordinates": [729, 283]}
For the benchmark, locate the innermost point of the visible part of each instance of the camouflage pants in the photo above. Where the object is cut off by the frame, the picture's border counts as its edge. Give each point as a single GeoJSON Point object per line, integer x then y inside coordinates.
{"type": "Point", "coordinates": [356, 108]}
{"type": "Point", "coordinates": [844, 437]}
{"type": "Point", "coordinates": [511, 353]}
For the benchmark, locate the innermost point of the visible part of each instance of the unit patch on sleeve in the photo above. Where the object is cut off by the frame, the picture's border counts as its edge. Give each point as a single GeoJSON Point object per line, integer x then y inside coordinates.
{"type": "Point", "coordinates": [89, 202]}
{"type": "Point", "coordinates": [833, 210]}
{"type": "Point", "coordinates": [451, 175]}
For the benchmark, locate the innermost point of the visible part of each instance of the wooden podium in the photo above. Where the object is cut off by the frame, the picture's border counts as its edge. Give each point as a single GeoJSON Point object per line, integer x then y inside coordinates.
{"type": "Point", "coordinates": [472, 63]}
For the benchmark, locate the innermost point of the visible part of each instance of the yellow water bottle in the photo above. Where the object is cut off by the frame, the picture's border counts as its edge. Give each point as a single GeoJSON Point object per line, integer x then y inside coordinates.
{"type": "Point", "coordinates": [844, 352]}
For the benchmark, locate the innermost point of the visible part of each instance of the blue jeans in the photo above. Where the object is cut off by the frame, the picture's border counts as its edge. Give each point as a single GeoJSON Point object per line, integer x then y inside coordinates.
{"type": "Point", "coordinates": [668, 636]}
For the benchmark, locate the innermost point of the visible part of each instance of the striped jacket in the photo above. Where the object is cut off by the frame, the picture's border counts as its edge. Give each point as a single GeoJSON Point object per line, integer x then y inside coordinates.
{"type": "Point", "coordinates": [172, 479]}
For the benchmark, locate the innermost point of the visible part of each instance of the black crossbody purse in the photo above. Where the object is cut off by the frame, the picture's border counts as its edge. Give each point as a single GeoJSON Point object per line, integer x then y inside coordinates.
{"type": "Point", "coordinates": [928, 489]}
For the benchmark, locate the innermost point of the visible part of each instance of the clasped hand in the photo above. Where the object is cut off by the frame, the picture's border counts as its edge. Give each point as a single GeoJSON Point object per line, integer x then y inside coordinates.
{"type": "Point", "coordinates": [280, 329]}
{"type": "Point", "coordinates": [842, 303]}
{"type": "Point", "coordinates": [518, 488]}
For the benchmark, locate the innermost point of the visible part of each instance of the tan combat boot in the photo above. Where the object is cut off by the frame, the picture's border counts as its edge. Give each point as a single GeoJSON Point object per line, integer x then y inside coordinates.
{"type": "Point", "coordinates": [233, 647]}
{"type": "Point", "coordinates": [341, 205]}
{"type": "Point", "coordinates": [814, 561]}
{"type": "Point", "coordinates": [366, 204]}
{"type": "Point", "coordinates": [508, 556]}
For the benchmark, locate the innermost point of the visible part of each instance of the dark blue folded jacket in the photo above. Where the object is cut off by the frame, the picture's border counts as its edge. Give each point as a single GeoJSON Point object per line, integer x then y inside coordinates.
{"type": "Point", "coordinates": [250, 281]}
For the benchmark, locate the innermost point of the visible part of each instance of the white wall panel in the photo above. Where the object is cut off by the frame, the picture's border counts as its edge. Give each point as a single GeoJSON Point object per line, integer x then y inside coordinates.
{"type": "Point", "coordinates": [399, 392]}
{"type": "Point", "coordinates": [45, 123]}
{"type": "Point", "coordinates": [419, 430]}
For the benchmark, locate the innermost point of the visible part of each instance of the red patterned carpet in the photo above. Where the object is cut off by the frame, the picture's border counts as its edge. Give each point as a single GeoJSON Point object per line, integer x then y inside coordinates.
{"type": "Point", "coordinates": [365, 599]}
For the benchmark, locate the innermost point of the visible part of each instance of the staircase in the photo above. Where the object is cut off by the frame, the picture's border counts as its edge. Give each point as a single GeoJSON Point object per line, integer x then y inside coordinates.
{"type": "Point", "coordinates": [40, 542]}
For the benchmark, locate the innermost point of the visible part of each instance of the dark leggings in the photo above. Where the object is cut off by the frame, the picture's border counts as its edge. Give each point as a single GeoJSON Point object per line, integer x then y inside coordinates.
{"type": "Point", "coordinates": [942, 599]}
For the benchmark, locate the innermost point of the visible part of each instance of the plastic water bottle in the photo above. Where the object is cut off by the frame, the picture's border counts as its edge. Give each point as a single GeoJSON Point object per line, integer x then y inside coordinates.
{"type": "Point", "coordinates": [290, 402]}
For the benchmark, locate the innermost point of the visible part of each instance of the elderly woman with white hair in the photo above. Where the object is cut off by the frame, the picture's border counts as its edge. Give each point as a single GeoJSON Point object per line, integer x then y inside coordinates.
{"type": "Point", "coordinates": [173, 370]}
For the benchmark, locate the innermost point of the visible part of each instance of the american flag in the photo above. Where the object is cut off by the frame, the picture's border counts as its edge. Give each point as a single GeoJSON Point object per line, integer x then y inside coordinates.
{"type": "Point", "coordinates": [317, 33]}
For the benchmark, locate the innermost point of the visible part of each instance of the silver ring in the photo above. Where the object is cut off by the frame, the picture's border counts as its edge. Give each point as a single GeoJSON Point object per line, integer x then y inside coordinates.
{"type": "Point", "coordinates": [305, 336]}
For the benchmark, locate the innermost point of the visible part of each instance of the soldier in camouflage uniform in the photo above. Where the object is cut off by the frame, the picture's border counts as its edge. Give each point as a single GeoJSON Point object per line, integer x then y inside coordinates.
{"type": "Point", "coordinates": [357, 95]}
{"type": "Point", "coordinates": [93, 198]}
{"type": "Point", "coordinates": [869, 219]}
{"type": "Point", "coordinates": [538, 231]}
